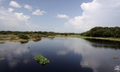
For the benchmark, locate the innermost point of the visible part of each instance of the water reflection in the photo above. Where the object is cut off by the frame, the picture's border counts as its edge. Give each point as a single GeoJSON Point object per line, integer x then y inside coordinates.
{"type": "Point", "coordinates": [65, 55]}
{"type": "Point", "coordinates": [12, 52]}
{"type": "Point", "coordinates": [104, 43]}
{"type": "Point", "coordinates": [62, 52]}
{"type": "Point", "coordinates": [99, 59]}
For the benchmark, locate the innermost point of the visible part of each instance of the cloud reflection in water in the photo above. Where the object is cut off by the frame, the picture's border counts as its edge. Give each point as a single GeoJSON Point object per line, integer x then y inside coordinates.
{"type": "Point", "coordinates": [99, 59]}
{"type": "Point", "coordinates": [13, 52]}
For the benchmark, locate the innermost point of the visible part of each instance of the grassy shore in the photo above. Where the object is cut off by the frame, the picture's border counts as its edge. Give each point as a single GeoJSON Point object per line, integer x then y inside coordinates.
{"type": "Point", "coordinates": [68, 36]}
{"type": "Point", "coordinates": [87, 37]}
{"type": "Point", "coordinates": [14, 38]}
{"type": "Point", "coordinates": [100, 38]}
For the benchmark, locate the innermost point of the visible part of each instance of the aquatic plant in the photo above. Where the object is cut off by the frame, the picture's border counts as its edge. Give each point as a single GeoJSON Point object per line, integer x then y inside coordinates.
{"type": "Point", "coordinates": [24, 41]}
{"type": "Point", "coordinates": [36, 40]}
{"type": "Point", "coordinates": [41, 59]}
{"type": "Point", "coordinates": [2, 58]}
{"type": "Point", "coordinates": [28, 47]}
{"type": "Point", "coordinates": [2, 42]}
{"type": "Point", "coordinates": [114, 58]}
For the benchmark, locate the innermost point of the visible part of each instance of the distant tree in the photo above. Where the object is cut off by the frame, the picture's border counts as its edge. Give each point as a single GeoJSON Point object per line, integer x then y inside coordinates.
{"type": "Point", "coordinates": [103, 32]}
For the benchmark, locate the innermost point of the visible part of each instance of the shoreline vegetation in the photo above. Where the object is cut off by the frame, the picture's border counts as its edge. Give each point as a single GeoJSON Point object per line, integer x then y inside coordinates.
{"type": "Point", "coordinates": [24, 36]}
{"type": "Point", "coordinates": [60, 36]}
{"type": "Point", "coordinates": [100, 33]}
{"type": "Point", "coordinates": [103, 33]}
{"type": "Point", "coordinates": [100, 38]}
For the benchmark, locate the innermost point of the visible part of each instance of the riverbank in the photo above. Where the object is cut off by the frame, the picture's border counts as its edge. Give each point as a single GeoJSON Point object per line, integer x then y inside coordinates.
{"type": "Point", "coordinates": [14, 38]}
{"type": "Point", "coordinates": [100, 38]}
{"type": "Point", "coordinates": [87, 37]}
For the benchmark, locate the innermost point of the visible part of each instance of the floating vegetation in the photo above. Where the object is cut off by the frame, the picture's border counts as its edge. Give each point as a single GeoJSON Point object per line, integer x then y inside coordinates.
{"type": "Point", "coordinates": [23, 42]}
{"type": "Point", "coordinates": [51, 37]}
{"type": "Point", "coordinates": [115, 58]}
{"type": "Point", "coordinates": [36, 40]}
{"type": "Point", "coordinates": [2, 58]}
{"type": "Point", "coordinates": [41, 59]}
{"type": "Point", "coordinates": [28, 47]}
{"type": "Point", "coordinates": [2, 42]}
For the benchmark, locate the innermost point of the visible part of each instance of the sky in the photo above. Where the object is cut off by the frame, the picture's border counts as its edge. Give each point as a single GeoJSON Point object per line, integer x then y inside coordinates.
{"type": "Point", "coordinates": [58, 15]}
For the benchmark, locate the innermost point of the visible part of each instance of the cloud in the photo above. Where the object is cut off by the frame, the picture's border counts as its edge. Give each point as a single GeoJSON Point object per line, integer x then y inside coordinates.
{"type": "Point", "coordinates": [28, 7]}
{"type": "Point", "coordinates": [38, 12]}
{"type": "Point", "coordinates": [62, 16]}
{"type": "Point", "coordinates": [22, 17]}
{"type": "Point", "coordinates": [10, 9]}
{"type": "Point", "coordinates": [13, 21]}
{"type": "Point", "coordinates": [15, 4]}
{"type": "Point", "coordinates": [17, 21]}
{"type": "Point", "coordinates": [95, 13]}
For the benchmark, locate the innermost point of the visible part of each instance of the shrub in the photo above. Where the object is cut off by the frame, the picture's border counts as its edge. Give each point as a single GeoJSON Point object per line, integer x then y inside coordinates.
{"type": "Point", "coordinates": [36, 36]}
{"type": "Point", "coordinates": [21, 36]}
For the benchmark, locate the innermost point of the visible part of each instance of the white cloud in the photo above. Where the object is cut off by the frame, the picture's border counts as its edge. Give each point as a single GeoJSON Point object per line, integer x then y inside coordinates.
{"type": "Point", "coordinates": [38, 12]}
{"type": "Point", "coordinates": [21, 16]}
{"type": "Point", "coordinates": [10, 9]}
{"type": "Point", "coordinates": [62, 16]}
{"type": "Point", "coordinates": [13, 21]}
{"type": "Point", "coordinates": [95, 13]}
{"type": "Point", "coordinates": [28, 7]}
{"type": "Point", "coordinates": [17, 21]}
{"type": "Point", "coordinates": [15, 4]}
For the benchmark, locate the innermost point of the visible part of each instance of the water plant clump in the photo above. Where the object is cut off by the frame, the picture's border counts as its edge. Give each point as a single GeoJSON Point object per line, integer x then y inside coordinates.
{"type": "Point", "coordinates": [115, 58]}
{"type": "Point", "coordinates": [2, 58]}
{"type": "Point", "coordinates": [41, 59]}
{"type": "Point", "coordinates": [2, 42]}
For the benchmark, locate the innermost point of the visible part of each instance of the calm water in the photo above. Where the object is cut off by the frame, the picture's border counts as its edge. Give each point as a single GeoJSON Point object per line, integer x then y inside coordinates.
{"type": "Point", "coordinates": [65, 55]}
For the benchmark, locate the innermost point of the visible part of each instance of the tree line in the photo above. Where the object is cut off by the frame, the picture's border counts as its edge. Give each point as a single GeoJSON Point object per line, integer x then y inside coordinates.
{"type": "Point", "coordinates": [103, 32]}
{"type": "Point", "coordinates": [36, 35]}
{"type": "Point", "coordinates": [35, 32]}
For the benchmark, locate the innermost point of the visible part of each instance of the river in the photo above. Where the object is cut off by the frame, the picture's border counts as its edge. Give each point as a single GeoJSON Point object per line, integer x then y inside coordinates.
{"type": "Point", "coordinates": [65, 55]}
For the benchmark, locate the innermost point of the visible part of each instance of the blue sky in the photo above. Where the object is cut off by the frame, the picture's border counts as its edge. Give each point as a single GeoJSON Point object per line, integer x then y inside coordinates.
{"type": "Point", "coordinates": [58, 15]}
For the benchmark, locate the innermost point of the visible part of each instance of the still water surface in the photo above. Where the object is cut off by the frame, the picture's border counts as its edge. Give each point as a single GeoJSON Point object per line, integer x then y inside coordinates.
{"type": "Point", "coordinates": [65, 55]}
